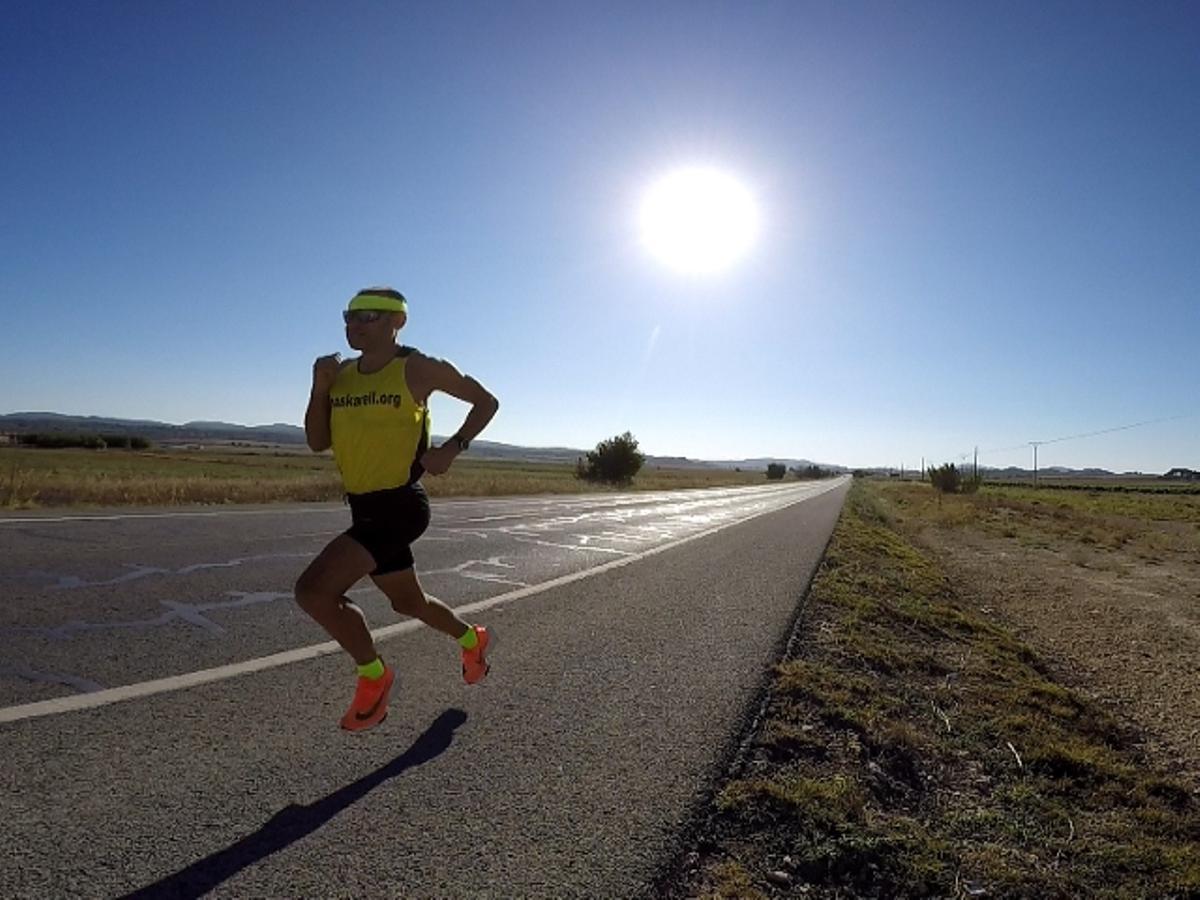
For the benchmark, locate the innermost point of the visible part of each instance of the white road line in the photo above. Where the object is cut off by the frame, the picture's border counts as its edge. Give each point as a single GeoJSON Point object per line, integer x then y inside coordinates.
{"type": "Point", "coordinates": [520, 515]}
{"type": "Point", "coordinates": [234, 670]}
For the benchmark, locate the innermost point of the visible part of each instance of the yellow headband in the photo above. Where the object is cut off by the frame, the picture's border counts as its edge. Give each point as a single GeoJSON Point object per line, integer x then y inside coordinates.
{"type": "Point", "coordinates": [392, 301]}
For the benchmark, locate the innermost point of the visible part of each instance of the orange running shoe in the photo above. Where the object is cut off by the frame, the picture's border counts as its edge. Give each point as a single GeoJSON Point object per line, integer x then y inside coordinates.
{"type": "Point", "coordinates": [369, 706]}
{"type": "Point", "coordinates": [474, 661]}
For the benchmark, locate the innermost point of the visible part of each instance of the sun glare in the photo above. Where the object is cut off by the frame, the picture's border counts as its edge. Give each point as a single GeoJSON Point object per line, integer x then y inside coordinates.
{"type": "Point", "coordinates": [698, 221]}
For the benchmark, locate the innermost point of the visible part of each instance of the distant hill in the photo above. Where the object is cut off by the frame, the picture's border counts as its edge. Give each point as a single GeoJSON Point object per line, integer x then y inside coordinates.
{"type": "Point", "coordinates": [162, 432]}
{"type": "Point", "coordinates": [764, 461]}
{"type": "Point", "coordinates": [281, 433]}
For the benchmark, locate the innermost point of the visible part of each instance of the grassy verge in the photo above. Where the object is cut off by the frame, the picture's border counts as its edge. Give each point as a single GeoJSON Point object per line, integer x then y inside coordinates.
{"type": "Point", "coordinates": [50, 477]}
{"type": "Point", "coordinates": [910, 748]}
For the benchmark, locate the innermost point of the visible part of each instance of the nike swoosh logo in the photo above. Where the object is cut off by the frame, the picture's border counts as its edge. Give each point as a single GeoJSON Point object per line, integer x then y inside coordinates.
{"type": "Point", "coordinates": [363, 716]}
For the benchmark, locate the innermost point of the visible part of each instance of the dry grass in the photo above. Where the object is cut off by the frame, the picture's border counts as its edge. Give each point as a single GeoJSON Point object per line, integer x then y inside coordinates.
{"type": "Point", "coordinates": [1149, 523]}
{"type": "Point", "coordinates": [914, 749]}
{"type": "Point", "coordinates": [165, 477]}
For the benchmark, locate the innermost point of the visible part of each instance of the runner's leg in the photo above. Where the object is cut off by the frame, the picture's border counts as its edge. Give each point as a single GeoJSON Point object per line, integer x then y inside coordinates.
{"type": "Point", "coordinates": [321, 590]}
{"type": "Point", "coordinates": [408, 599]}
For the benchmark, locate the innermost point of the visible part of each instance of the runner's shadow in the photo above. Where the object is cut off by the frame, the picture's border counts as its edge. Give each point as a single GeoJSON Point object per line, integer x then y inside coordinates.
{"type": "Point", "coordinates": [293, 822]}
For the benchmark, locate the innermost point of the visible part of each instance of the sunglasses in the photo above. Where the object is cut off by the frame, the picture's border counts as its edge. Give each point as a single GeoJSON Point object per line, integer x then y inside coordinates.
{"type": "Point", "coordinates": [364, 316]}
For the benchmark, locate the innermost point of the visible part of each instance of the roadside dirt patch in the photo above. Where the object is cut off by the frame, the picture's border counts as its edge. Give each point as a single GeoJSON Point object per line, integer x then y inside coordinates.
{"type": "Point", "coordinates": [1121, 626]}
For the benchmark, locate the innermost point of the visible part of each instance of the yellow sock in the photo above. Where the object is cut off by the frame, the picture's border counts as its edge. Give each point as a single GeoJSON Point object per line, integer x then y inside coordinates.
{"type": "Point", "coordinates": [372, 670]}
{"type": "Point", "coordinates": [470, 640]}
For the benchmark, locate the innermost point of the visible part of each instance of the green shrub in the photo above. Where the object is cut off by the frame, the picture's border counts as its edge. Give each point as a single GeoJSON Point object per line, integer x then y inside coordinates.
{"type": "Point", "coordinates": [614, 461]}
{"type": "Point", "coordinates": [812, 471]}
{"type": "Point", "coordinates": [950, 480]}
{"type": "Point", "coordinates": [946, 479]}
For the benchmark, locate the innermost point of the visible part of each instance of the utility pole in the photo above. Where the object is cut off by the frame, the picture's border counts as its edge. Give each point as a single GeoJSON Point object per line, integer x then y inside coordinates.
{"type": "Point", "coordinates": [1035, 445]}
{"type": "Point", "coordinates": [976, 475]}
{"type": "Point", "coordinates": [922, 468]}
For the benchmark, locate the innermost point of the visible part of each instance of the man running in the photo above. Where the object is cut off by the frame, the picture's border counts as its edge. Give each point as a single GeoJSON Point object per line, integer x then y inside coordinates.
{"type": "Point", "coordinates": [374, 411]}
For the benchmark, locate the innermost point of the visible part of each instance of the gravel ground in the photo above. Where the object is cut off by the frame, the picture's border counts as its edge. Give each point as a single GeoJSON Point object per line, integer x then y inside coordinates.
{"type": "Point", "coordinates": [1122, 628]}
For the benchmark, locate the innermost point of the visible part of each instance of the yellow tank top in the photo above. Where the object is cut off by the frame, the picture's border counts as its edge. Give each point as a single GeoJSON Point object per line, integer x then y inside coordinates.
{"type": "Point", "coordinates": [379, 432]}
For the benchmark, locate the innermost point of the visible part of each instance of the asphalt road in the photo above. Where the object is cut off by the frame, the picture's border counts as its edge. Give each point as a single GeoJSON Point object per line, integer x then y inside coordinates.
{"type": "Point", "coordinates": [168, 717]}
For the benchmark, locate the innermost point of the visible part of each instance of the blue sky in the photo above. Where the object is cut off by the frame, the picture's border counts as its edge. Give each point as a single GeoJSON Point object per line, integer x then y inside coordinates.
{"type": "Point", "coordinates": [980, 223]}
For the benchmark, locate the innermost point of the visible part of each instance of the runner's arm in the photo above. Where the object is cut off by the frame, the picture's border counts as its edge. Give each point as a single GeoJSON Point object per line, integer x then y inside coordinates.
{"type": "Point", "coordinates": [316, 418]}
{"type": "Point", "coordinates": [445, 377]}
{"type": "Point", "coordinates": [316, 422]}
{"type": "Point", "coordinates": [441, 375]}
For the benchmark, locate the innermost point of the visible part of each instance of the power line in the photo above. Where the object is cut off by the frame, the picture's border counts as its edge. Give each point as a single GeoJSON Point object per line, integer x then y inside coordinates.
{"type": "Point", "coordinates": [1073, 437]}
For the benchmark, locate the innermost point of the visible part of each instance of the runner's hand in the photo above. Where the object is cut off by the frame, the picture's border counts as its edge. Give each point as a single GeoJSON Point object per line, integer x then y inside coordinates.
{"type": "Point", "coordinates": [325, 371]}
{"type": "Point", "coordinates": [436, 460]}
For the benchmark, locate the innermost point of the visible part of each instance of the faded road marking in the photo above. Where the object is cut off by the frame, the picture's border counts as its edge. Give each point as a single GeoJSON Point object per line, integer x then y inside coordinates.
{"type": "Point", "coordinates": [234, 670]}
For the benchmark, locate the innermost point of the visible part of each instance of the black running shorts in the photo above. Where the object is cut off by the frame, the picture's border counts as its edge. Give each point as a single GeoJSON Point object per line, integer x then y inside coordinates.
{"type": "Point", "coordinates": [387, 523]}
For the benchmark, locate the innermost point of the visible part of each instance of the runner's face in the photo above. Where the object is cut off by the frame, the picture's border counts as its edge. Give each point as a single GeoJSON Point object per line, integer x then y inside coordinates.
{"type": "Point", "coordinates": [372, 329]}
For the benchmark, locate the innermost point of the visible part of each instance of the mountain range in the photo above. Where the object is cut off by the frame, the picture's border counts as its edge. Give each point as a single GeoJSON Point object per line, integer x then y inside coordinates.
{"type": "Point", "coordinates": [282, 433]}
{"type": "Point", "coordinates": [285, 434]}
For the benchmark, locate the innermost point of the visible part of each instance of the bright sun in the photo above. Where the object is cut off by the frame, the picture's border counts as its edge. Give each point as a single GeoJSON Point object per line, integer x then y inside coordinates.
{"type": "Point", "coordinates": [698, 221]}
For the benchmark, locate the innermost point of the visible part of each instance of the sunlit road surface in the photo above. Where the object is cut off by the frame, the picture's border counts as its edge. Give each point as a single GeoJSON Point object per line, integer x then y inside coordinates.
{"type": "Point", "coordinates": [168, 716]}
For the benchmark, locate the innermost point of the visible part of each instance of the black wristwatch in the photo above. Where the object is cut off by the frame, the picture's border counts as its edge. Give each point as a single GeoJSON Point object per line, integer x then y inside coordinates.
{"type": "Point", "coordinates": [462, 443]}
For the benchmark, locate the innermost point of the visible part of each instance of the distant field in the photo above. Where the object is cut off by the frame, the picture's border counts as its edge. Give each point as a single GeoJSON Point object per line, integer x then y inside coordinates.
{"type": "Point", "coordinates": [1090, 512]}
{"type": "Point", "coordinates": [1150, 484]}
{"type": "Point", "coordinates": [76, 477]}
{"type": "Point", "coordinates": [1146, 483]}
